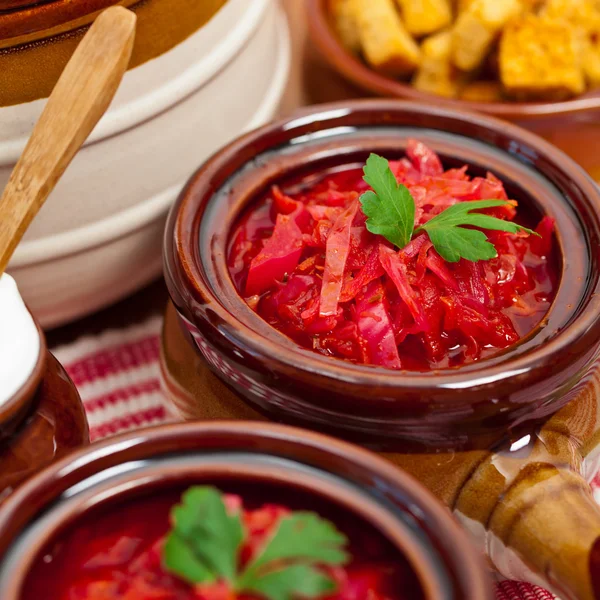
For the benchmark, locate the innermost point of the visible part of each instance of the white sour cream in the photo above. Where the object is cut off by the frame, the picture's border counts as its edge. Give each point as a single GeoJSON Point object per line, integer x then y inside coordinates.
{"type": "Point", "coordinates": [19, 340]}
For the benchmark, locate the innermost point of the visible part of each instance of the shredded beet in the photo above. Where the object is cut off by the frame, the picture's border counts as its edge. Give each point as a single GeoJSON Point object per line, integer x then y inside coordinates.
{"type": "Point", "coordinates": [119, 557]}
{"type": "Point", "coordinates": [333, 287]}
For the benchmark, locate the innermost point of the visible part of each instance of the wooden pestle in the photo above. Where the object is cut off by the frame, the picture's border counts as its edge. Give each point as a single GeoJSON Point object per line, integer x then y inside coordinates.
{"type": "Point", "coordinates": [531, 509]}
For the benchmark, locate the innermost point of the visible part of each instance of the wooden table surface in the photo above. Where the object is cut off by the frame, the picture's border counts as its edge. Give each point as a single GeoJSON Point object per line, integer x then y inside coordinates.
{"type": "Point", "coordinates": [310, 82]}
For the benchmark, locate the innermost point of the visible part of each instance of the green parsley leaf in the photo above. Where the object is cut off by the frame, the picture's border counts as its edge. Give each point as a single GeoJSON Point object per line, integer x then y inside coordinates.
{"type": "Point", "coordinates": [204, 545]}
{"type": "Point", "coordinates": [453, 241]}
{"type": "Point", "coordinates": [292, 582]}
{"type": "Point", "coordinates": [390, 211]}
{"type": "Point", "coordinates": [180, 559]}
{"type": "Point", "coordinates": [302, 537]}
{"type": "Point", "coordinates": [389, 207]}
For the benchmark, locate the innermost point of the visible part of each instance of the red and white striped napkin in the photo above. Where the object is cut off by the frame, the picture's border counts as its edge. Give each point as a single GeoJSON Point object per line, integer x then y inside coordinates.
{"type": "Point", "coordinates": [117, 375]}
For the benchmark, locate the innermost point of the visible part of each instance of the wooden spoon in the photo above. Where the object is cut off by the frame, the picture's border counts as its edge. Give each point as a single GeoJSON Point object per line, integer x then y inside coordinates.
{"type": "Point", "coordinates": [80, 97]}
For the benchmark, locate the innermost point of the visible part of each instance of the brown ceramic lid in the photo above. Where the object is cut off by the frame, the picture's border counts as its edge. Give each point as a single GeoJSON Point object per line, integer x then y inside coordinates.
{"type": "Point", "coordinates": [28, 20]}
{"type": "Point", "coordinates": [6, 5]}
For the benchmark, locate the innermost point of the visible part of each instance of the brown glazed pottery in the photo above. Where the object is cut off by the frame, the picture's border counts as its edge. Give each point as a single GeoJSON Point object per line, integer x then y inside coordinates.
{"type": "Point", "coordinates": [38, 38]}
{"type": "Point", "coordinates": [233, 455]}
{"type": "Point", "coordinates": [43, 421]}
{"type": "Point", "coordinates": [526, 501]}
{"type": "Point", "coordinates": [572, 125]}
{"type": "Point", "coordinates": [521, 489]}
{"type": "Point", "coordinates": [472, 405]}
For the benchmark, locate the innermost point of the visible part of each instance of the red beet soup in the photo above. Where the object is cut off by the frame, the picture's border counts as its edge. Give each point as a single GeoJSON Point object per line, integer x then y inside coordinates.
{"type": "Point", "coordinates": [126, 552]}
{"type": "Point", "coordinates": [305, 258]}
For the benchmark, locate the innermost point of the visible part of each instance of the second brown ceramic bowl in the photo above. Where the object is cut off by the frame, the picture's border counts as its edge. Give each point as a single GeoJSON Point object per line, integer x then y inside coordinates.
{"type": "Point", "coordinates": [463, 406]}
{"type": "Point", "coordinates": [42, 422]}
{"type": "Point", "coordinates": [270, 462]}
{"type": "Point", "coordinates": [572, 125]}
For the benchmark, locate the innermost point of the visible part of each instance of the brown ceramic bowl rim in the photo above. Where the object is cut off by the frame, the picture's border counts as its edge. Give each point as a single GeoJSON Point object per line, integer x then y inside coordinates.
{"type": "Point", "coordinates": [356, 71]}
{"type": "Point", "coordinates": [467, 566]}
{"type": "Point", "coordinates": [17, 405]}
{"type": "Point", "coordinates": [185, 224]}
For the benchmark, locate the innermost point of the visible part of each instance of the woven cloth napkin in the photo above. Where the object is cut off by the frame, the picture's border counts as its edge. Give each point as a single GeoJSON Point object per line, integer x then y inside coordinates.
{"type": "Point", "coordinates": [117, 375]}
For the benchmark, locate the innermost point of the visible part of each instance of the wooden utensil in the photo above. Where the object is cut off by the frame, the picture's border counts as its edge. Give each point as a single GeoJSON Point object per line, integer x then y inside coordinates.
{"type": "Point", "coordinates": [80, 97]}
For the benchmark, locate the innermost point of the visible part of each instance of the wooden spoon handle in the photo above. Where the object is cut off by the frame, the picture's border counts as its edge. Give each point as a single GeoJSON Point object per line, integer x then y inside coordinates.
{"type": "Point", "coordinates": [81, 96]}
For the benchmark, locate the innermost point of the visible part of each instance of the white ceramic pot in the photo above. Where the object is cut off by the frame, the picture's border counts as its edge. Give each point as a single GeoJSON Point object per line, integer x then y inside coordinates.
{"type": "Point", "coordinates": [98, 238]}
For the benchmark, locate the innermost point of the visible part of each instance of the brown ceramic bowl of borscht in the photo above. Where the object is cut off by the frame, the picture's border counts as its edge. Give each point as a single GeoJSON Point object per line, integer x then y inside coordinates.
{"type": "Point", "coordinates": [231, 510]}
{"type": "Point", "coordinates": [413, 349]}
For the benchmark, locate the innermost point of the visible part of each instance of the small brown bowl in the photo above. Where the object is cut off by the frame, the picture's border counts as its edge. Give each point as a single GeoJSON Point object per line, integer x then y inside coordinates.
{"type": "Point", "coordinates": [477, 403]}
{"type": "Point", "coordinates": [40, 423]}
{"type": "Point", "coordinates": [290, 463]}
{"type": "Point", "coordinates": [572, 125]}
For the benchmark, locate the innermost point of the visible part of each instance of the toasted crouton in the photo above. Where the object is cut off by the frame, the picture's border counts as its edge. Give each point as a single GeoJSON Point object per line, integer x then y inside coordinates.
{"type": "Point", "coordinates": [584, 16]}
{"type": "Point", "coordinates": [533, 5]}
{"type": "Point", "coordinates": [462, 5]}
{"type": "Point", "coordinates": [591, 64]}
{"type": "Point", "coordinates": [386, 44]}
{"type": "Point", "coordinates": [591, 56]}
{"type": "Point", "coordinates": [540, 58]}
{"type": "Point", "coordinates": [477, 28]}
{"type": "Point", "coordinates": [422, 17]}
{"type": "Point", "coordinates": [482, 91]}
{"type": "Point", "coordinates": [436, 74]}
{"type": "Point", "coordinates": [344, 24]}
{"type": "Point", "coordinates": [438, 45]}
{"type": "Point", "coordinates": [582, 13]}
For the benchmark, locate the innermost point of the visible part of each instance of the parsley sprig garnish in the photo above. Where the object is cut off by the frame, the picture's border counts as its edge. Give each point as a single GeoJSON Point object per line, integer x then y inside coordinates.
{"type": "Point", "coordinates": [390, 211]}
{"type": "Point", "coordinates": [390, 208]}
{"type": "Point", "coordinates": [204, 546]}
